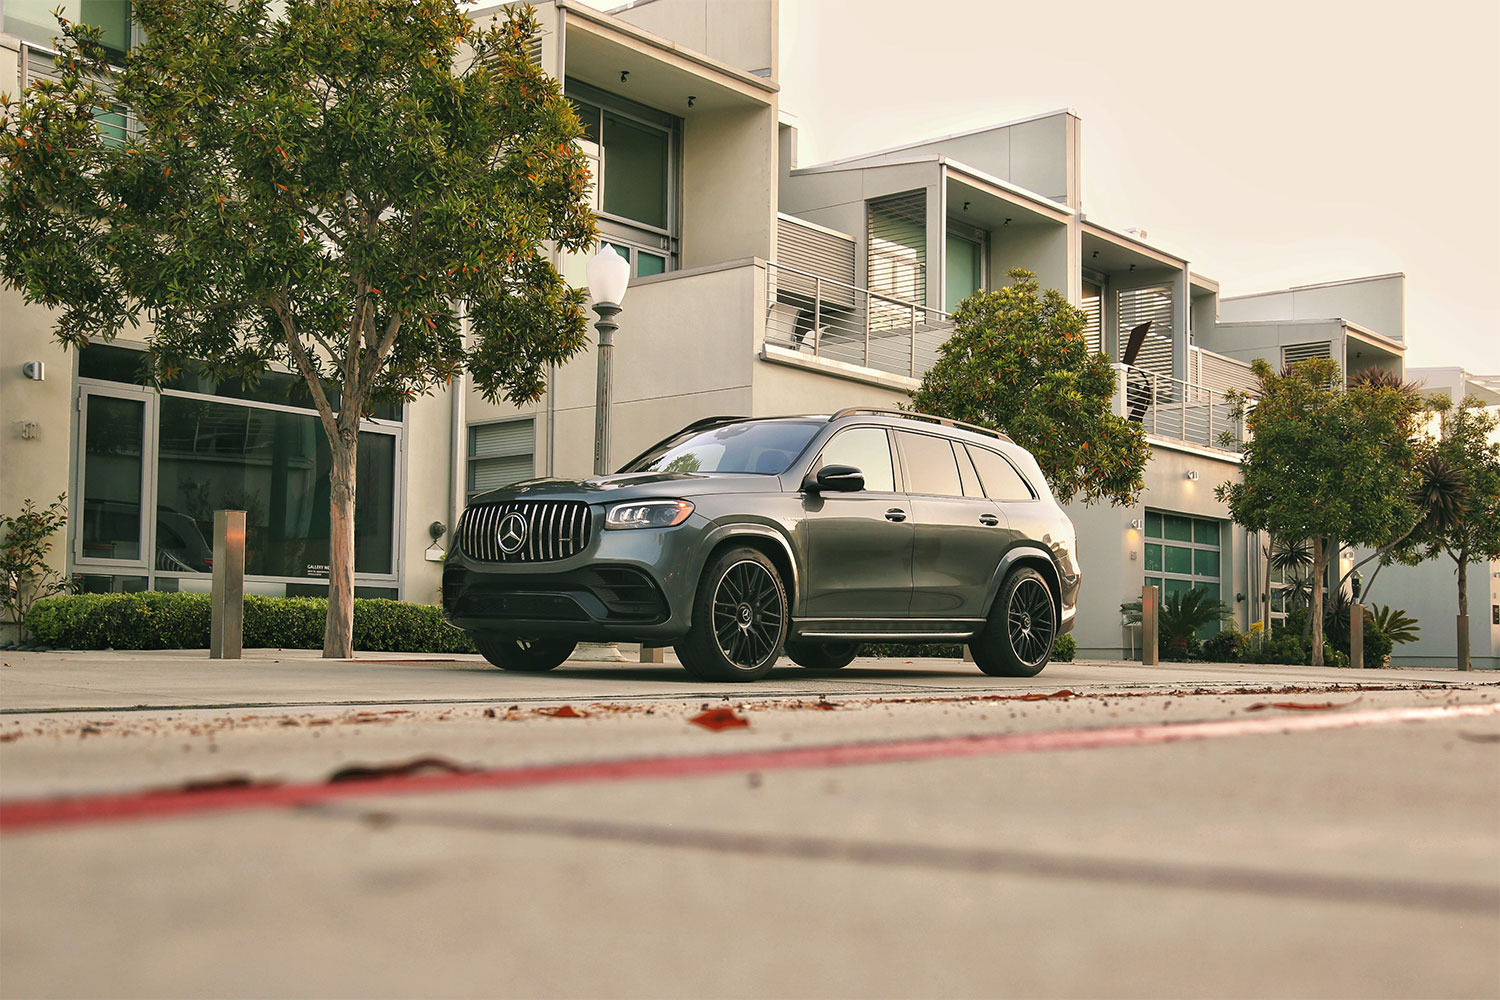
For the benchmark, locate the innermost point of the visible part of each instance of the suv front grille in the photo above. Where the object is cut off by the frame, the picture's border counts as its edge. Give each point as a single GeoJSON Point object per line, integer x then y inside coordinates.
{"type": "Point", "coordinates": [553, 530]}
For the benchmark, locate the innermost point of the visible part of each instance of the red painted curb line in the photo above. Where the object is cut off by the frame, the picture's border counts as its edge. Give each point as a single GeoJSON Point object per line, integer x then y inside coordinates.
{"type": "Point", "coordinates": [21, 815]}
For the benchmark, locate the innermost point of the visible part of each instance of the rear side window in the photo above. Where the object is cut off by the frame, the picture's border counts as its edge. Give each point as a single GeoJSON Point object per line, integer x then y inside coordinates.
{"type": "Point", "coordinates": [1000, 478]}
{"type": "Point", "coordinates": [868, 450]}
{"type": "Point", "coordinates": [931, 468]}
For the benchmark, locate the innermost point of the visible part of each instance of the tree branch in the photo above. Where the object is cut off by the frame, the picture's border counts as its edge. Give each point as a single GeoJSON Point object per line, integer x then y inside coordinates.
{"type": "Point", "coordinates": [309, 373]}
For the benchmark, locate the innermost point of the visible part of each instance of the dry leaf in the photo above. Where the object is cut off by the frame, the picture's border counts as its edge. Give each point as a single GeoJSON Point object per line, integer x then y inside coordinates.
{"type": "Point", "coordinates": [405, 769]}
{"type": "Point", "coordinates": [562, 712]}
{"type": "Point", "coordinates": [719, 718]}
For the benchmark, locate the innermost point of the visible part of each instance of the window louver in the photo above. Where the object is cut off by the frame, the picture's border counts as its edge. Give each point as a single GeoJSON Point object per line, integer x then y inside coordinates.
{"type": "Point", "coordinates": [898, 246]}
{"type": "Point", "coordinates": [1136, 306]}
{"type": "Point", "coordinates": [554, 530]}
{"type": "Point", "coordinates": [1293, 353]}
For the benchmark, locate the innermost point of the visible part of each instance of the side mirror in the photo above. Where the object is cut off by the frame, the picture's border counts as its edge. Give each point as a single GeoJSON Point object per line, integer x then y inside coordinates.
{"type": "Point", "coordinates": [835, 479]}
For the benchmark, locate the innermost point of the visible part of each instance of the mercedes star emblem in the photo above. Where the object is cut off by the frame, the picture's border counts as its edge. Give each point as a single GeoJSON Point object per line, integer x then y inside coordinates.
{"type": "Point", "coordinates": [512, 533]}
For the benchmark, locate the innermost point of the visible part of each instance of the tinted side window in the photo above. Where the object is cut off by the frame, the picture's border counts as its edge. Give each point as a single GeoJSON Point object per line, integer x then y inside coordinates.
{"type": "Point", "coordinates": [1001, 480]}
{"type": "Point", "coordinates": [966, 473]}
{"type": "Point", "coordinates": [868, 450]}
{"type": "Point", "coordinates": [930, 466]}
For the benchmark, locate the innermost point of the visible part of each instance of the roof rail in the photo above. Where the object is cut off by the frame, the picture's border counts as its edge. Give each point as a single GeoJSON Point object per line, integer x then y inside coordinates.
{"type": "Point", "coordinates": [850, 411]}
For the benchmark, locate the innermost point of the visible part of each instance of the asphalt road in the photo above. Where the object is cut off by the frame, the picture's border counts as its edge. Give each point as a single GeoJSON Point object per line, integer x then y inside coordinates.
{"type": "Point", "coordinates": [408, 826]}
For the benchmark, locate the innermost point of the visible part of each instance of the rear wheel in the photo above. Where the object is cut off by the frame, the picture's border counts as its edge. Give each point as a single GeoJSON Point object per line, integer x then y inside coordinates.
{"type": "Point", "coordinates": [822, 655]}
{"type": "Point", "coordinates": [739, 619]}
{"type": "Point", "coordinates": [531, 654]}
{"type": "Point", "coordinates": [1017, 640]}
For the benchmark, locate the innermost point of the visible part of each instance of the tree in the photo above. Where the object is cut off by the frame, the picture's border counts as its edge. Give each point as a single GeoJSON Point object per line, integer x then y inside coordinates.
{"type": "Point", "coordinates": [319, 189]}
{"type": "Point", "coordinates": [1018, 362]}
{"type": "Point", "coordinates": [25, 577]}
{"type": "Point", "coordinates": [1468, 441]}
{"type": "Point", "coordinates": [1325, 464]}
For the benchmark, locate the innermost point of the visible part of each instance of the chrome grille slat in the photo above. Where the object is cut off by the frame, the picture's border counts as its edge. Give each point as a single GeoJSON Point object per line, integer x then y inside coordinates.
{"type": "Point", "coordinates": [554, 530]}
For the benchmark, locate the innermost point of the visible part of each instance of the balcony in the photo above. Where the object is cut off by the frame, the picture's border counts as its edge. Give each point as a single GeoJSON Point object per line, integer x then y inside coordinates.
{"type": "Point", "coordinates": [831, 320]}
{"type": "Point", "coordinates": [1172, 410]}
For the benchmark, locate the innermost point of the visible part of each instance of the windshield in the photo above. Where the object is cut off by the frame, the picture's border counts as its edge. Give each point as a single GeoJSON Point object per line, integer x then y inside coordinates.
{"type": "Point", "coordinates": [756, 446]}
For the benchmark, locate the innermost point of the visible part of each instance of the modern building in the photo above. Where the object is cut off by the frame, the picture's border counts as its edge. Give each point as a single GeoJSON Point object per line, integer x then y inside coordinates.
{"type": "Point", "coordinates": [761, 285]}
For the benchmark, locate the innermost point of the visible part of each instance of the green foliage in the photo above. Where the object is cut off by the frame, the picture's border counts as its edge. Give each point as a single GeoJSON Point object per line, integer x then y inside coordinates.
{"type": "Point", "coordinates": [1229, 646]}
{"type": "Point", "coordinates": [1064, 648]}
{"type": "Point", "coordinates": [1018, 362]}
{"type": "Point", "coordinates": [1395, 623]}
{"type": "Point", "coordinates": [322, 184]}
{"type": "Point", "coordinates": [181, 621]}
{"type": "Point", "coordinates": [25, 577]}
{"type": "Point", "coordinates": [1468, 442]}
{"type": "Point", "coordinates": [1326, 463]}
{"type": "Point", "coordinates": [1181, 617]}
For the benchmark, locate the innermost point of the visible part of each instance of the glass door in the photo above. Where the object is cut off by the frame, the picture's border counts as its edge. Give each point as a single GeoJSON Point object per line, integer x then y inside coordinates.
{"type": "Point", "coordinates": [111, 499]}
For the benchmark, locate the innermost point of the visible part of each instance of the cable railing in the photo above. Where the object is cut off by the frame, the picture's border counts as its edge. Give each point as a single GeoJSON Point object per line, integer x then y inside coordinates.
{"type": "Point", "coordinates": [828, 319]}
{"type": "Point", "coordinates": [1182, 411]}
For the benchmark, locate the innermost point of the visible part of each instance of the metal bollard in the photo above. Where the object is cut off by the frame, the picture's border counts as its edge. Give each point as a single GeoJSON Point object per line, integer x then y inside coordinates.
{"type": "Point", "coordinates": [226, 632]}
{"type": "Point", "coordinates": [1149, 607]}
{"type": "Point", "coordinates": [1357, 636]}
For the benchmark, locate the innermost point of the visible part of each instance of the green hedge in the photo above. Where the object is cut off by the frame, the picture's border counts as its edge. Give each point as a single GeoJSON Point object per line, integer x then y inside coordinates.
{"type": "Point", "coordinates": [180, 621]}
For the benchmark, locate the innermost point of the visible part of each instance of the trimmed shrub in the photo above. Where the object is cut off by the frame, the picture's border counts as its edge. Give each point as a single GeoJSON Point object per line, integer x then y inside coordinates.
{"type": "Point", "coordinates": [1064, 648]}
{"type": "Point", "coordinates": [181, 621]}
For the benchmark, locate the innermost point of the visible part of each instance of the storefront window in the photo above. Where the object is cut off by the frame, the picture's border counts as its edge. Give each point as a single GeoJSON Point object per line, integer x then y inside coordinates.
{"type": "Point", "coordinates": [274, 466]}
{"type": "Point", "coordinates": [111, 516]}
{"type": "Point", "coordinates": [1182, 554]}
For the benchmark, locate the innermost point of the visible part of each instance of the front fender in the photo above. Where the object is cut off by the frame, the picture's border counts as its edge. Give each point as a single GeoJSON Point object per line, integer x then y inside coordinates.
{"type": "Point", "coordinates": [731, 530]}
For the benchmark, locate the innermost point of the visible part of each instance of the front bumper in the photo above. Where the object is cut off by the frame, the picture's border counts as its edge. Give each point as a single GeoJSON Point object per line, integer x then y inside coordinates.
{"type": "Point", "coordinates": [627, 586]}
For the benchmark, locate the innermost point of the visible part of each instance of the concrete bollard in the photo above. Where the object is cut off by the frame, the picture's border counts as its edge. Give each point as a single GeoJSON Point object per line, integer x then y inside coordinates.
{"type": "Point", "coordinates": [653, 654]}
{"type": "Point", "coordinates": [226, 630]}
{"type": "Point", "coordinates": [1149, 608]}
{"type": "Point", "coordinates": [1357, 636]}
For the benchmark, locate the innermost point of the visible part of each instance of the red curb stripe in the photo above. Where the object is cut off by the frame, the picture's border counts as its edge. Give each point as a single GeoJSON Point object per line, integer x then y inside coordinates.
{"type": "Point", "coordinates": [20, 815]}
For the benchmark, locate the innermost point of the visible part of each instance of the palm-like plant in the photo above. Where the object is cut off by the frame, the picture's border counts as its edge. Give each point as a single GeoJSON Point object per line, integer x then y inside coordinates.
{"type": "Point", "coordinates": [1395, 623]}
{"type": "Point", "coordinates": [1184, 613]}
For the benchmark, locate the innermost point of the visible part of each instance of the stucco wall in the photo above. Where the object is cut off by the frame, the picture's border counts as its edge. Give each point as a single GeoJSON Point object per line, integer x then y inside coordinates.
{"type": "Point", "coordinates": [1113, 554]}
{"type": "Point", "coordinates": [1429, 593]}
{"type": "Point", "coordinates": [741, 33]}
{"type": "Point", "coordinates": [728, 185]}
{"type": "Point", "coordinates": [1377, 304]}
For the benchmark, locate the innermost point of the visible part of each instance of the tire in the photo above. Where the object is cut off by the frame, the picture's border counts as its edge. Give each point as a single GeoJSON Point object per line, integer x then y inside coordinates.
{"type": "Point", "coordinates": [532, 655]}
{"type": "Point", "coordinates": [1017, 639]}
{"type": "Point", "coordinates": [739, 619]}
{"type": "Point", "coordinates": [822, 655]}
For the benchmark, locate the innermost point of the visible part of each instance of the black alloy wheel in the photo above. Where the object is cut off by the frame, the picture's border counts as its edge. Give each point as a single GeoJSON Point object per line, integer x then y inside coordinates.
{"type": "Point", "coordinates": [1017, 640]}
{"type": "Point", "coordinates": [822, 655]}
{"type": "Point", "coordinates": [739, 619]}
{"type": "Point", "coordinates": [527, 653]}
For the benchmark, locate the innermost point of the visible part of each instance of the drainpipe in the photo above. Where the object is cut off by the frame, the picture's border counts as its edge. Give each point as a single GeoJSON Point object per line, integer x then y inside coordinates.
{"type": "Point", "coordinates": [458, 451]}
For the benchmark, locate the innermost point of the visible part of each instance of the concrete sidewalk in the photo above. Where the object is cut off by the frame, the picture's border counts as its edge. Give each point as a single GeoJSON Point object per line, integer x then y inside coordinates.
{"type": "Point", "coordinates": [31, 682]}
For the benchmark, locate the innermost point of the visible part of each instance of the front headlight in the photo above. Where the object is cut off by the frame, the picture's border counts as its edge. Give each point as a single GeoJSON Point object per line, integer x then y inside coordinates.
{"type": "Point", "coordinates": [648, 514]}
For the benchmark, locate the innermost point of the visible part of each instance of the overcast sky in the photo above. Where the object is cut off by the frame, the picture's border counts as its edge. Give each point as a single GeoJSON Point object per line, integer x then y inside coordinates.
{"type": "Point", "coordinates": [1271, 144]}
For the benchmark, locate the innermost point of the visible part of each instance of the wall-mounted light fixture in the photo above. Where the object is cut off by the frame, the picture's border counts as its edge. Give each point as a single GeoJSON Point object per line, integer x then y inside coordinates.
{"type": "Point", "coordinates": [1191, 474]}
{"type": "Point", "coordinates": [691, 99]}
{"type": "Point", "coordinates": [1007, 222]}
{"type": "Point", "coordinates": [1096, 255]}
{"type": "Point", "coordinates": [1135, 523]}
{"type": "Point", "coordinates": [966, 206]}
{"type": "Point", "coordinates": [35, 370]}
{"type": "Point", "coordinates": [1132, 268]}
{"type": "Point", "coordinates": [623, 74]}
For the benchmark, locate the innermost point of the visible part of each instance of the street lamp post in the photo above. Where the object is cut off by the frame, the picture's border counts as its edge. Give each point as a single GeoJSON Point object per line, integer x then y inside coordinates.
{"type": "Point", "coordinates": [608, 276]}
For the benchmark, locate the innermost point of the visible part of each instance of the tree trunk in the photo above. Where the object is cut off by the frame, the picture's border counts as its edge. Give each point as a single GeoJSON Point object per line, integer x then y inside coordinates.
{"type": "Point", "coordinates": [1266, 607]}
{"type": "Point", "coordinates": [338, 633]}
{"type": "Point", "coordinates": [1463, 609]}
{"type": "Point", "coordinates": [1315, 614]}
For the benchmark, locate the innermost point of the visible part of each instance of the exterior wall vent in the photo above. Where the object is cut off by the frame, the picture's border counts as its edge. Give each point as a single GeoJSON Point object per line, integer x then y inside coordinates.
{"type": "Point", "coordinates": [1293, 353]}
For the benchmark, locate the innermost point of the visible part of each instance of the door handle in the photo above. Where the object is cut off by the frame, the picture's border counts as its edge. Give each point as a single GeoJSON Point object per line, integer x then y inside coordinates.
{"type": "Point", "coordinates": [895, 514]}
{"type": "Point", "coordinates": [989, 519]}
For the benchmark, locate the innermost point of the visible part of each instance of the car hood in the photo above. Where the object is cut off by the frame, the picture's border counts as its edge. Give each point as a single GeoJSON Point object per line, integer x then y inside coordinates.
{"type": "Point", "coordinates": [632, 486]}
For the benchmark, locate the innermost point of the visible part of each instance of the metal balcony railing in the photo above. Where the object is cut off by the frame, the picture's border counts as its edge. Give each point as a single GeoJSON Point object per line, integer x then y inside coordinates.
{"type": "Point", "coordinates": [1176, 410]}
{"type": "Point", "coordinates": [822, 318]}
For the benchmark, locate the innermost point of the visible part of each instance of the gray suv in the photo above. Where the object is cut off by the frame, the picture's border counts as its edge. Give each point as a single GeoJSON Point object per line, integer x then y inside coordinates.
{"type": "Point", "coordinates": [735, 539]}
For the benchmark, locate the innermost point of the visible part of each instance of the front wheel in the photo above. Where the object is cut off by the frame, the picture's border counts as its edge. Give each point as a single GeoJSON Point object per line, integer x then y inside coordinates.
{"type": "Point", "coordinates": [533, 655]}
{"type": "Point", "coordinates": [1017, 640]}
{"type": "Point", "coordinates": [739, 619]}
{"type": "Point", "coordinates": [822, 655]}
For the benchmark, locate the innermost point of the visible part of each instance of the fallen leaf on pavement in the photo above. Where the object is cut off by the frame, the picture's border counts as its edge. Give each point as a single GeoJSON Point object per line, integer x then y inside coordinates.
{"type": "Point", "coordinates": [405, 769]}
{"type": "Point", "coordinates": [1039, 696]}
{"type": "Point", "coordinates": [1297, 706]}
{"type": "Point", "coordinates": [222, 782]}
{"type": "Point", "coordinates": [562, 712]}
{"type": "Point", "coordinates": [719, 718]}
